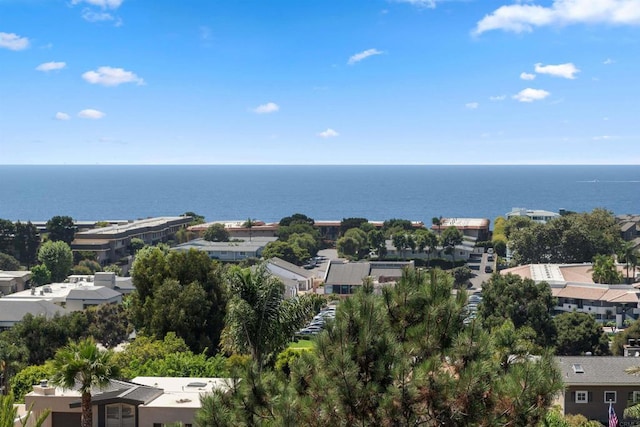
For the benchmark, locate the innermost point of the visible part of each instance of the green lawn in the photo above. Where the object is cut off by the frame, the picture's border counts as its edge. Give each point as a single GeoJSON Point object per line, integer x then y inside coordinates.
{"type": "Point", "coordinates": [302, 344]}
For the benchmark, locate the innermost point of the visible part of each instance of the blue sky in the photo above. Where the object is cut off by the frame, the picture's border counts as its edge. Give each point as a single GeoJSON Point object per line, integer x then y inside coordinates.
{"type": "Point", "coordinates": [319, 82]}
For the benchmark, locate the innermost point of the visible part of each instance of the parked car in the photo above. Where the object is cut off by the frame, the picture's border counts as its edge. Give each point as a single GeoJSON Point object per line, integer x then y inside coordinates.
{"type": "Point", "coordinates": [488, 269]}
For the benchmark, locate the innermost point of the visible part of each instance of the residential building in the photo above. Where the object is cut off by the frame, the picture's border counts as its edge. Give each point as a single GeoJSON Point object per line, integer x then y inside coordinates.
{"type": "Point", "coordinates": [476, 228]}
{"type": "Point", "coordinates": [291, 274]}
{"type": "Point", "coordinates": [536, 215]}
{"type": "Point", "coordinates": [231, 251]}
{"type": "Point", "coordinates": [13, 281]}
{"type": "Point", "coordinates": [237, 229]}
{"type": "Point", "coordinates": [592, 382]}
{"type": "Point", "coordinates": [345, 278]}
{"type": "Point", "coordinates": [74, 295]}
{"type": "Point", "coordinates": [462, 251]}
{"type": "Point", "coordinates": [112, 243]}
{"type": "Point", "coordinates": [575, 290]}
{"type": "Point", "coordinates": [630, 229]}
{"type": "Point", "coordinates": [13, 311]}
{"type": "Point", "coordinates": [141, 402]}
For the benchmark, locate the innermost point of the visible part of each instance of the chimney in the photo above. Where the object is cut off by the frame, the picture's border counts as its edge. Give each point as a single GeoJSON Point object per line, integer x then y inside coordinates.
{"type": "Point", "coordinates": [43, 389]}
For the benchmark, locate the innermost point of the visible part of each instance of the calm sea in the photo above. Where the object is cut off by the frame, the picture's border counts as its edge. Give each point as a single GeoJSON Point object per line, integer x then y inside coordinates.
{"type": "Point", "coordinates": [323, 192]}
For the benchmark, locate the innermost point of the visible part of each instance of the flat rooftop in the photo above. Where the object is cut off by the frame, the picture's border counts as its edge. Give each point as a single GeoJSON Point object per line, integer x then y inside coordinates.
{"type": "Point", "coordinates": [56, 292]}
{"type": "Point", "coordinates": [180, 392]}
{"type": "Point", "coordinates": [141, 223]}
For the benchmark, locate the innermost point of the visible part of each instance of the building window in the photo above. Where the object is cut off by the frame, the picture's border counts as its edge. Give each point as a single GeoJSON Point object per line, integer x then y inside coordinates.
{"type": "Point", "coordinates": [582, 397]}
{"type": "Point", "coordinates": [634, 396]}
{"type": "Point", "coordinates": [120, 415]}
{"type": "Point", "coordinates": [610, 397]}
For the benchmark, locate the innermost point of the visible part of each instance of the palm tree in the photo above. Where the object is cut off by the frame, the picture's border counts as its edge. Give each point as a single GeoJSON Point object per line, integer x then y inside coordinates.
{"type": "Point", "coordinates": [9, 414]}
{"type": "Point", "coordinates": [81, 364]}
{"type": "Point", "coordinates": [630, 256]}
{"type": "Point", "coordinates": [437, 221]}
{"type": "Point", "coordinates": [259, 320]}
{"type": "Point", "coordinates": [249, 223]}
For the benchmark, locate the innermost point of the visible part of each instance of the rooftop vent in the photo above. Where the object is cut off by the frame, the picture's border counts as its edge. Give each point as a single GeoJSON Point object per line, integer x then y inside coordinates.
{"type": "Point", "coordinates": [577, 368]}
{"type": "Point", "coordinates": [197, 384]}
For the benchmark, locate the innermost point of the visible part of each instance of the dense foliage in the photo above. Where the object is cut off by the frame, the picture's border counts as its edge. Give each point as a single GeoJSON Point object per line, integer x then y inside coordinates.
{"type": "Point", "coordinates": [259, 321]}
{"type": "Point", "coordinates": [181, 292]}
{"type": "Point", "coordinates": [579, 333]}
{"type": "Point", "coordinates": [401, 358]}
{"type": "Point", "coordinates": [523, 301]}
{"type": "Point", "coordinates": [58, 259]}
{"type": "Point", "coordinates": [573, 238]}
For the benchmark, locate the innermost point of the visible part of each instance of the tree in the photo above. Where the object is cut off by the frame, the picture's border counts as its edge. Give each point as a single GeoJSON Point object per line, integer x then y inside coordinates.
{"type": "Point", "coordinates": [26, 243]}
{"type": "Point", "coordinates": [249, 223]}
{"type": "Point", "coordinates": [108, 324]}
{"type": "Point", "coordinates": [403, 358]}
{"type": "Point", "coordinates": [451, 237]}
{"type": "Point", "coordinates": [216, 233]}
{"type": "Point", "coordinates": [400, 242]}
{"type": "Point", "coordinates": [289, 252]}
{"type": "Point", "coordinates": [7, 235]}
{"type": "Point", "coordinates": [437, 221]}
{"type": "Point", "coordinates": [40, 275]}
{"type": "Point", "coordinates": [179, 291]}
{"type": "Point", "coordinates": [260, 321]}
{"type": "Point", "coordinates": [573, 238]}
{"type": "Point", "coordinates": [81, 364]}
{"type": "Point", "coordinates": [42, 336]}
{"type": "Point", "coordinates": [23, 381]}
{"type": "Point", "coordinates": [169, 357]}
{"type": "Point", "coordinates": [9, 414]}
{"type": "Point", "coordinates": [349, 223]}
{"type": "Point", "coordinates": [58, 259]}
{"type": "Point", "coordinates": [61, 228]}
{"type": "Point", "coordinates": [377, 242]}
{"type": "Point", "coordinates": [461, 275]}
{"type": "Point", "coordinates": [135, 245]}
{"type": "Point", "coordinates": [196, 219]}
{"type": "Point", "coordinates": [579, 333]}
{"type": "Point", "coordinates": [8, 263]}
{"type": "Point", "coordinates": [523, 301]}
{"type": "Point", "coordinates": [629, 255]}
{"type": "Point", "coordinates": [605, 271]}
{"type": "Point", "coordinates": [114, 268]}
{"type": "Point", "coordinates": [12, 354]}
{"type": "Point", "coordinates": [296, 218]}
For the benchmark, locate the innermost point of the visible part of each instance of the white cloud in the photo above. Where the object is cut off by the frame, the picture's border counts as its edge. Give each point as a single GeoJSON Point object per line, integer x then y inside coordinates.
{"type": "Point", "coordinates": [62, 116]}
{"type": "Point", "coordinates": [93, 16]}
{"type": "Point", "coordinates": [329, 133]}
{"type": "Point", "coordinates": [497, 98]}
{"type": "Point", "coordinates": [13, 41]}
{"type": "Point", "coordinates": [91, 114]}
{"type": "Point", "coordinates": [472, 105]}
{"type": "Point", "coordinates": [269, 107]}
{"type": "Point", "coordinates": [603, 137]}
{"type": "Point", "coordinates": [50, 66]}
{"type": "Point", "coordinates": [608, 61]}
{"type": "Point", "coordinates": [530, 95]}
{"type": "Point", "coordinates": [567, 70]}
{"type": "Point", "coordinates": [420, 3]}
{"type": "Point", "coordinates": [105, 4]}
{"type": "Point", "coordinates": [520, 18]}
{"type": "Point", "coordinates": [527, 76]}
{"type": "Point", "coordinates": [108, 76]}
{"type": "Point", "coordinates": [362, 55]}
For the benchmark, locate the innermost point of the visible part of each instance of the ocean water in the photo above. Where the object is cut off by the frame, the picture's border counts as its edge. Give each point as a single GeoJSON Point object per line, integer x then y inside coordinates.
{"type": "Point", "coordinates": [269, 193]}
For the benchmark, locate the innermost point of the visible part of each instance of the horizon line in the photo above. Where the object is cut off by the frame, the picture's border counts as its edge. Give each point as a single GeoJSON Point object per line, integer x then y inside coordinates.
{"type": "Point", "coordinates": [319, 164]}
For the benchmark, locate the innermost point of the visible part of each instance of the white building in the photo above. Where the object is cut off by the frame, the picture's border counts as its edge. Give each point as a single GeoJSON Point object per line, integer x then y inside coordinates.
{"type": "Point", "coordinates": [536, 215]}
{"type": "Point", "coordinates": [575, 290]}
